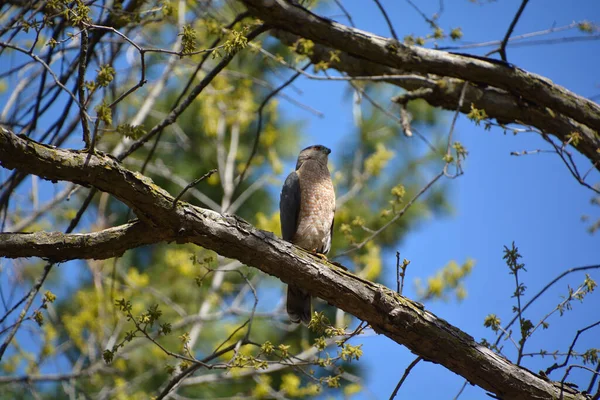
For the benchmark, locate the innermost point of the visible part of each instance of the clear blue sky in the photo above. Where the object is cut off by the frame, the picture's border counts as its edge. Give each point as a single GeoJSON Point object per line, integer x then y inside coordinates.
{"type": "Point", "coordinates": [532, 200]}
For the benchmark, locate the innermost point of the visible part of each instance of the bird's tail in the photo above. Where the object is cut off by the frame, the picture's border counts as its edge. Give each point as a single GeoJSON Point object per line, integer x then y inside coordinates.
{"type": "Point", "coordinates": [298, 304]}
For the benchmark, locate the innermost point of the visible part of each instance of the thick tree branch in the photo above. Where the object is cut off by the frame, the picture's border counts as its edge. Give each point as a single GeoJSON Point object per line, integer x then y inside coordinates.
{"type": "Point", "coordinates": [523, 86]}
{"type": "Point", "coordinates": [444, 92]}
{"type": "Point", "coordinates": [58, 246]}
{"type": "Point", "coordinates": [400, 319]}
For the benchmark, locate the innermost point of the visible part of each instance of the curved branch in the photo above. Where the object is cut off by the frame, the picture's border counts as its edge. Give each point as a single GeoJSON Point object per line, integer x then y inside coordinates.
{"type": "Point", "coordinates": [58, 246]}
{"type": "Point", "coordinates": [445, 92]}
{"type": "Point", "coordinates": [519, 84]}
{"type": "Point", "coordinates": [397, 317]}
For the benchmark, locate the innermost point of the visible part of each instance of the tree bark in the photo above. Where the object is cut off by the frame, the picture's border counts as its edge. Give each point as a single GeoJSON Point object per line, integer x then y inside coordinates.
{"type": "Point", "coordinates": [390, 314]}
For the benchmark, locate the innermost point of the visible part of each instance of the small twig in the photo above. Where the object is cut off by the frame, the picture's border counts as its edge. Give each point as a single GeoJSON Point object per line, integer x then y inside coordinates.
{"type": "Point", "coordinates": [518, 294]}
{"type": "Point", "coordinates": [571, 296]}
{"type": "Point", "coordinates": [593, 380]}
{"type": "Point", "coordinates": [553, 354]}
{"type": "Point", "coordinates": [569, 368]}
{"type": "Point", "coordinates": [530, 152]}
{"type": "Point", "coordinates": [57, 80]}
{"type": "Point", "coordinates": [13, 308]}
{"type": "Point", "coordinates": [387, 19]}
{"type": "Point", "coordinates": [405, 120]}
{"type": "Point", "coordinates": [508, 337]}
{"type": "Point", "coordinates": [190, 358]}
{"type": "Point", "coordinates": [405, 375]}
{"type": "Point", "coordinates": [84, 206]}
{"type": "Point", "coordinates": [569, 163]}
{"type": "Point", "coordinates": [94, 138]}
{"type": "Point", "coordinates": [538, 42]}
{"type": "Point", "coordinates": [191, 185]}
{"type": "Point", "coordinates": [30, 297]}
{"type": "Point", "coordinates": [161, 169]}
{"type": "Point", "coordinates": [502, 49]}
{"type": "Point", "coordinates": [400, 272]}
{"type": "Point", "coordinates": [462, 389]}
{"type": "Point", "coordinates": [451, 132]}
{"type": "Point", "coordinates": [523, 37]}
{"type": "Point", "coordinates": [430, 21]}
{"type": "Point", "coordinates": [570, 351]}
{"type": "Point", "coordinates": [149, 157]}
{"type": "Point", "coordinates": [191, 369]}
{"type": "Point", "coordinates": [592, 168]}
{"type": "Point", "coordinates": [237, 19]}
{"type": "Point", "coordinates": [81, 89]}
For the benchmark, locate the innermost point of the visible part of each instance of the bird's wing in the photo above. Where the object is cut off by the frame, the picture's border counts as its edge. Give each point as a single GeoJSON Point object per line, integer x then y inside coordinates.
{"type": "Point", "coordinates": [289, 206]}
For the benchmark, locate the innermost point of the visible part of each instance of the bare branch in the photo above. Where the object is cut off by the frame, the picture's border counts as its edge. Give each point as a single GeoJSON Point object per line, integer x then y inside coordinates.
{"type": "Point", "coordinates": [520, 84]}
{"type": "Point", "coordinates": [57, 246]}
{"type": "Point", "coordinates": [444, 92]}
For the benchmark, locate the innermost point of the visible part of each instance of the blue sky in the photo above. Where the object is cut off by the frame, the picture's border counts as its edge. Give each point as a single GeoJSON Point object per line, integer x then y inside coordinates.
{"type": "Point", "coordinates": [531, 200]}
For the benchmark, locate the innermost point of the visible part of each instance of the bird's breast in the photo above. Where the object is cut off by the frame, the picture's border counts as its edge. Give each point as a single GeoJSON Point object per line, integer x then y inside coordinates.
{"type": "Point", "coordinates": [317, 207]}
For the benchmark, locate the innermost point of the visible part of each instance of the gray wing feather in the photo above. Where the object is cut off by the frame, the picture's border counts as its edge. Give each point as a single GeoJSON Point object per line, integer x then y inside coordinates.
{"type": "Point", "coordinates": [289, 206]}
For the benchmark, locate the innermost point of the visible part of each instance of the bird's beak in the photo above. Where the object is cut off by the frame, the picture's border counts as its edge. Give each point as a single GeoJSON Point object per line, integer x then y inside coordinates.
{"type": "Point", "coordinates": [327, 151]}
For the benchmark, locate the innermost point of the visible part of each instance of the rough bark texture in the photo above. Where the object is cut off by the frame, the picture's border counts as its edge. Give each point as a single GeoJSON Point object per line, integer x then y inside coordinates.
{"type": "Point", "coordinates": [529, 98]}
{"type": "Point", "coordinates": [397, 317]}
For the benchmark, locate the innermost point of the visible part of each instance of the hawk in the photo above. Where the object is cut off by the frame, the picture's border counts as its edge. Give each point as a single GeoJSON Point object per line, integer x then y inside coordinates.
{"type": "Point", "coordinates": [307, 207]}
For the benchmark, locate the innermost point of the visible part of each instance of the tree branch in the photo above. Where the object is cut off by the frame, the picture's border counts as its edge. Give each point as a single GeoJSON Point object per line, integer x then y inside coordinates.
{"type": "Point", "coordinates": [445, 92]}
{"type": "Point", "coordinates": [519, 84]}
{"type": "Point", "coordinates": [58, 246]}
{"type": "Point", "coordinates": [397, 317]}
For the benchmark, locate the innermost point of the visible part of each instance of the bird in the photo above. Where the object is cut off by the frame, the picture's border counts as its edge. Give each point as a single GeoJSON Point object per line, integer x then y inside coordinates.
{"type": "Point", "coordinates": [306, 212]}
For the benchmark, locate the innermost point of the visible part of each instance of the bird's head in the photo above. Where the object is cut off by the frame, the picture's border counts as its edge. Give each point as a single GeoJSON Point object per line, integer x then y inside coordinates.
{"type": "Point", "coordinates": [316, 152]}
